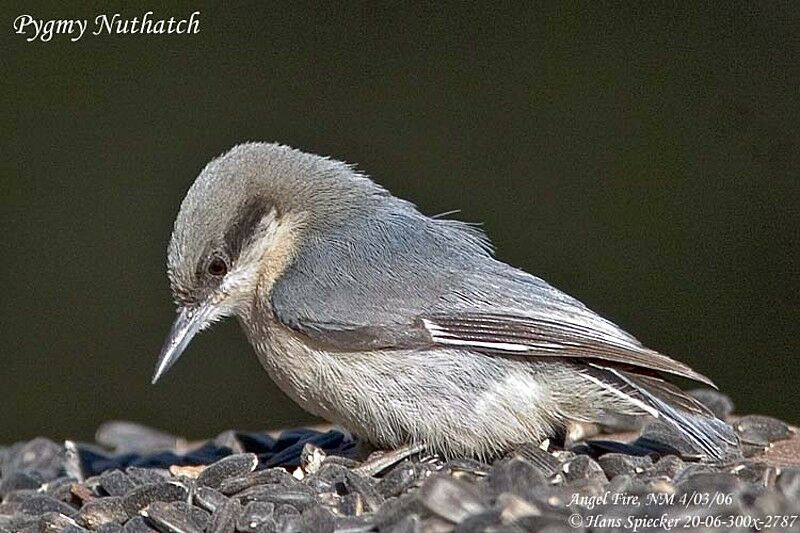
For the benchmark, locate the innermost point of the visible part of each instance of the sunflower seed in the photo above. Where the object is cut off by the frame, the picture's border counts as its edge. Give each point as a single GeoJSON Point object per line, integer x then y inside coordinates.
{"type": "Point", "coordinates": [229, 467]}
{"type": "Point", "coordinates": [318, 519]}
{"type": "Point", "coordinates": [583, 467]}
{"type": "Point", "coordinates": [342, 461]}
{"type": "Point", "coordinates": [357, 484]}
{"type": "Point", "coordinates": [255, 515]}
{"type": "Point", "coordinates": [290, 523]}
{"type": "Point", "coordinates": [709, 483]}
{"type": "Point", "coordinates": [208, 498]}
{"type": "Point", "coordinates": [755, 472]}
{"type": "Point", "coordinates": [116, 483]}
{"type": "Point", "coordinates": [20, 481]}
{"type": "Point", "coordinates": [84, 491]}
{"type": "Point", "coordinates": [223, 520]}
{"type": "Point", "coordinates": [60, 488]}
{"type": "Point", "coordinates": [40, 504]}
{"type": "Point", "coordinates": [615, 464]}
{"type": "Point", "coordinates": [270, 476]}
{"type": "Point", "coordinates": [400, 479]}
{"type": "Point", "coordinates": [311, 457]}
{"type": "Point", "coordinates": [470, 467]}
{"type": "Point", "coordinates": [56, 523]}
{"type": "Point", "coordinates": [109, 527]}
{"type": "Point", "coordinates": [137, 525]}
{"type": "Point", "coordinates": [435, 524]}
{"type": "Point", "coordinates": [484, 521]}
{"type": "Point", "coordinates": [101, 511]}
{"type": "Point", "coordinates": [452, 499]}
{"type": "Point", "coordinates": [408, 524]}
{"type": "Point", "coordinates": [199, 516]}
{"type": "Point", "coordinates": [144, 495]}
{"type": "Point", "coordinates": [225, 516]}
{"type": "Point", "coordinates": [170, 519]}
{"type": "Point", "coordinates": [145, 476]}
{"type": "Point", "coordinates": [298, 496]}
{"type": "Point", "coordinates": [761, 430]}
{"type": "Point", "coordinates": [668, 466]}
{"type": "Point", "coordinates": [326, 477]}
{"type": "Point", "coordinates": [354, 524]}
{"type": "Point", "coordinates": [789, 483]}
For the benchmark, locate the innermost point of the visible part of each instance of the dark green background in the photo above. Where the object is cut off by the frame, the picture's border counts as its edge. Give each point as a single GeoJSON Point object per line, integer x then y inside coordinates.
{"type": "Point", "coordinates": [644, 160]}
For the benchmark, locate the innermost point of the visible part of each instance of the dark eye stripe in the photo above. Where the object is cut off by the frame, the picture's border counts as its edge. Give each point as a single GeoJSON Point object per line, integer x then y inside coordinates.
{"type": "Point", "coordinates": [244, 226]}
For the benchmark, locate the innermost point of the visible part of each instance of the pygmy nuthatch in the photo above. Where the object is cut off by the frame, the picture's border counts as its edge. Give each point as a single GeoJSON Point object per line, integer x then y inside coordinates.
{"type": "Point", "coordinates": [402, 328]}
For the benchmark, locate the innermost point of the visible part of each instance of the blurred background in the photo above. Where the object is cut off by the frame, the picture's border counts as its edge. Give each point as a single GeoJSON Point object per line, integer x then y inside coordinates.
{"type": "Point", "coordinates": [644, 161]}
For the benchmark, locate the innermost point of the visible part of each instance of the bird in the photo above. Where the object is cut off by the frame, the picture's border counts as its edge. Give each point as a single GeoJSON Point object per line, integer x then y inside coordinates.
{"type": "Point", "coordinates": [403, 328]}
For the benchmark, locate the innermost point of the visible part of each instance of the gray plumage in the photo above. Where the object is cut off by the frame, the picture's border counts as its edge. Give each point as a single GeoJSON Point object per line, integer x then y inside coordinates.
{"type": "Point", "coordinates": [398, 326]}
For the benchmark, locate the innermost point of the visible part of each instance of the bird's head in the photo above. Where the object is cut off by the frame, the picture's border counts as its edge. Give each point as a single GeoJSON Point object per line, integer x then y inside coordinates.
{"type": "Point", "coordinates": [241, 223]}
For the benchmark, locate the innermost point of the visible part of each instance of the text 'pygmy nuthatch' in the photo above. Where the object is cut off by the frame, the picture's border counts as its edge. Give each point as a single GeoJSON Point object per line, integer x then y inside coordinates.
{"type": "Point", "coordinates": [400, 327]}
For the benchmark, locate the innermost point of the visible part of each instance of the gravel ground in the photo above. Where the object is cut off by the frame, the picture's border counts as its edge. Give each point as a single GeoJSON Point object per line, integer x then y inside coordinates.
{"type": "Point", "coordinates": [138, 479]}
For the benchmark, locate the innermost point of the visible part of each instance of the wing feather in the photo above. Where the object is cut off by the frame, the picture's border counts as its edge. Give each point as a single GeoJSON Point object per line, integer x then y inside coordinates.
{"type": "Point", "coordinates": [545, 337]}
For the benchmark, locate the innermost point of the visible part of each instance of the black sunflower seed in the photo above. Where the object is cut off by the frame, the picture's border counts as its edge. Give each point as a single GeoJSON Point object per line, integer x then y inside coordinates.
{"type": "Point", "coordinates": [761, 430]}
{"type": "Point", "coordinates": [224, 518]}
{"type": "Point", "coordinates": [255, 515]}
{"type": "Point", "coordinates": [208, 498]}
{"type": "Point", "coordinates": [229, 467]}
{"type": "Point", "coordinates": [101, 511]}
{"type": "Point", "coordinates": [615, 464]}
{"type": "Point", "coordinates": [170, 519]}
{"type": "Point", "coordinates": [40, 504]}
{"type": "Point", "coordinates": [452, 499]}
{"type": "Point", "coordinates": [117, 483]}
{"type": "Point", "coordinates": [137, 525]}
{"type": "Point", "coordinates": [270, 476]}
{"type": "Point", "coordinates": [515, 476]}
{"type": "Point", "coordinates": [144, 495]}
{"type": "Point", "coordinates": [298, 496]}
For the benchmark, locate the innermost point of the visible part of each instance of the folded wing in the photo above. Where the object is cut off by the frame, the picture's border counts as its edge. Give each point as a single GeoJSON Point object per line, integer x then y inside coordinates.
{"type": "Point", "coordinates": [548, 337]}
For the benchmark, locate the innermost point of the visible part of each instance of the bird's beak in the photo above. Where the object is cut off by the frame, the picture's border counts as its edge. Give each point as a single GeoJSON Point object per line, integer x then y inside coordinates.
{"type": "Point", "coordinates": [190, 320]}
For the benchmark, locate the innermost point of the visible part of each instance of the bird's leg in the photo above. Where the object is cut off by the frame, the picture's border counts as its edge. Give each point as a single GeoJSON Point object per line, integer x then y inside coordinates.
{"type": "Point", "coordinates": [378, 463]}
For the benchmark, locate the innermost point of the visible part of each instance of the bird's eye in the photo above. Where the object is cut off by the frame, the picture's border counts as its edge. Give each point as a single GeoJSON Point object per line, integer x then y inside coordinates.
{"type": "Point", "coordinates": [217, 267]}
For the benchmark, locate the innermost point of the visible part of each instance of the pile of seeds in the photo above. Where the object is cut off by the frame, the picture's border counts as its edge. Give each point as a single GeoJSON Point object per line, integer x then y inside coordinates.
{"type": "Point", "coordinates": [138, 479]}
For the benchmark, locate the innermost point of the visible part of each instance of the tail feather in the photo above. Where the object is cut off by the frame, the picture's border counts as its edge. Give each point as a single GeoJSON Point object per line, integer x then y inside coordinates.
{"type": "Point", "coordinates": [669, 393]}
{"type": "Point", "coordinates": [665, 402]}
